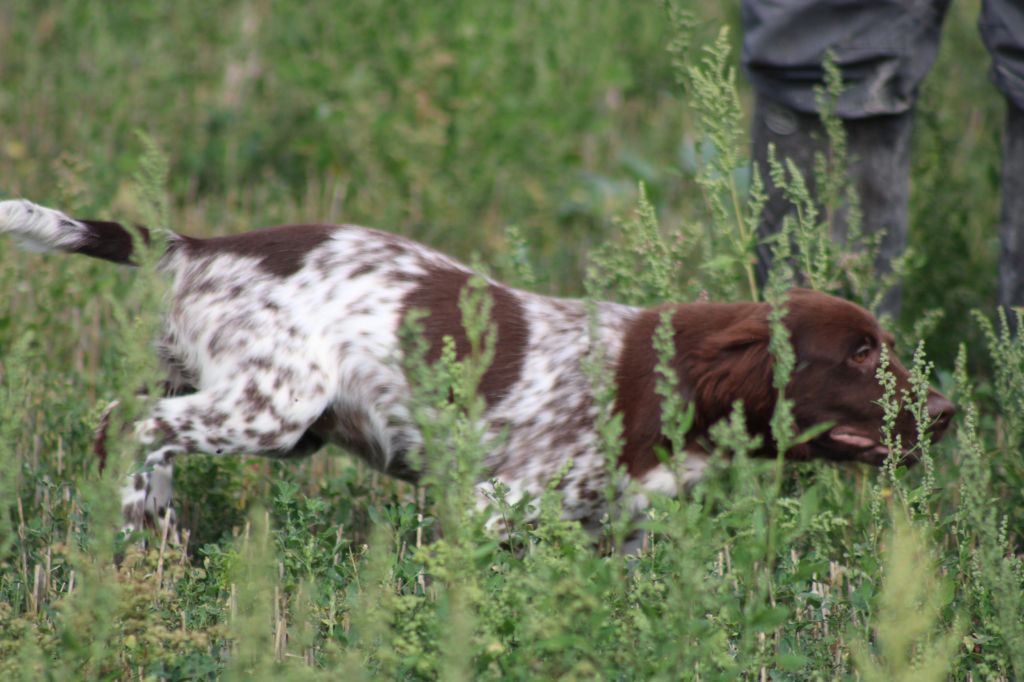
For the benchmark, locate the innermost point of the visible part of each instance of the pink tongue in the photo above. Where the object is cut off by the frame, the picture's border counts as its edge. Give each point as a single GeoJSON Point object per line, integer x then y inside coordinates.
{"type": "Point", "coordinates": [842, 434]}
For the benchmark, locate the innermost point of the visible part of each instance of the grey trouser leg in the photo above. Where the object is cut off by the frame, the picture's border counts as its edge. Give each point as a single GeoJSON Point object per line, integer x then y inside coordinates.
{"type": "Point", "coordinates": [1011, 223]}
{"type": "Point", "coordinates": [1002, 28]}
{"type": "Point", "coordinates": [1001, 25]}
{"type": "Point", "coordinates": [884, 49]}
{"type": "Point", "coordinates": [879, 169]}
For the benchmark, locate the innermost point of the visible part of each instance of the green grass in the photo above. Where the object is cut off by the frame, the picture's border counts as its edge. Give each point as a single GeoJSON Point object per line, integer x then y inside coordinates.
{"type": "Point", "coordinates": [452, 122]}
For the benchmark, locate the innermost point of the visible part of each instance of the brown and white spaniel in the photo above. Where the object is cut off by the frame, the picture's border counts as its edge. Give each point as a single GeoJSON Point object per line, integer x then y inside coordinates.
{"type": "Point", "coordinates": [281, 340]}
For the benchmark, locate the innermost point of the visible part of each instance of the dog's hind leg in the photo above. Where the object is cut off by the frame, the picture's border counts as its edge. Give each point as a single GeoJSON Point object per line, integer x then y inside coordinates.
{"type": "Point", "coordinates": [239, 418]}
{"type": "Point", "coordinates": [147, 501]}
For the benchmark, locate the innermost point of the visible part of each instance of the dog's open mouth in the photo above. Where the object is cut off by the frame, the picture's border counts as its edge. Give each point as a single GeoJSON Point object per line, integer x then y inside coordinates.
{"type": "Point", "coordinates": [860, 446]}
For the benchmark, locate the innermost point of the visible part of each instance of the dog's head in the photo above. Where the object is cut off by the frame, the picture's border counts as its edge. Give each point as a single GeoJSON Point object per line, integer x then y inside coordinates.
{"type": "Point", "coordinates": [839, 347]}
{"type": "Point", "coordinates": [722, 356]}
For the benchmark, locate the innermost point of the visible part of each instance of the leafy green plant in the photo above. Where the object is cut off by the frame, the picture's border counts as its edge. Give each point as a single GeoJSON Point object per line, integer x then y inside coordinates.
{"type": "Point", "coordinates": [910, 605]}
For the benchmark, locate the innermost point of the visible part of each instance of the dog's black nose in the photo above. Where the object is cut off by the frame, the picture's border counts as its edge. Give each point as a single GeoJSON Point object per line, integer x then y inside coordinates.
{"type": "Point", "coordinates": [941, 411]}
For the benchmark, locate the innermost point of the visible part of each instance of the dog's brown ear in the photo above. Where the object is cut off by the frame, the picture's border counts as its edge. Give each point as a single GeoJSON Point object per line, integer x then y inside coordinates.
{"type": "Point", "coordinates": [735, 364]}
{"type": "Point", "coordinates": [747, 331]}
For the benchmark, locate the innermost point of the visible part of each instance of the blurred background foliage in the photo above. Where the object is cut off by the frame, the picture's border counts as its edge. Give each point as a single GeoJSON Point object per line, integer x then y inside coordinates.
{"type": "Point", "coordinates": [447, 121]}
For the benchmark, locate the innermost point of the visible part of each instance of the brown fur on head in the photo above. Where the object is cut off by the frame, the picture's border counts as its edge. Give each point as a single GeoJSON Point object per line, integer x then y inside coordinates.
{"type": "Point", "coordinates": [722, 355]}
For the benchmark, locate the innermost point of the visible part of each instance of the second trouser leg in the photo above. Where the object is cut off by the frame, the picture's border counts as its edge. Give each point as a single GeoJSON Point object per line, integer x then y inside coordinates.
{"type": "Point", "coordinates": [1002, 28]}
{"type": "Point", "coordinates": [1011, 223]}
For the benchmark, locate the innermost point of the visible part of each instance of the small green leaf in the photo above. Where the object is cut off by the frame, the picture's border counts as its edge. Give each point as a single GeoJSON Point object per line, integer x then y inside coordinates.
{"type": "Point", "coordinates": [769, 617]}
{"type": "Point", "coordinates": [791, 662]}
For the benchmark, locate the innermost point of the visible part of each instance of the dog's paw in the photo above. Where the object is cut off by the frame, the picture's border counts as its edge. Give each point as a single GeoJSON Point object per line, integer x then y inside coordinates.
{"type": "Point", "coordinates": [147, 501]}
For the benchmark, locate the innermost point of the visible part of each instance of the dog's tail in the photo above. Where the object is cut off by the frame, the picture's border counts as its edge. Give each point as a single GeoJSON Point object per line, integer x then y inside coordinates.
{"type": "Point", "coordinates": [38, 228]}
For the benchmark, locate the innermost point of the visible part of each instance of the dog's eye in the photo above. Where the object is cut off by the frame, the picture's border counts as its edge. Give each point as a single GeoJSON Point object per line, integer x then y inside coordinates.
{"type": "Point", "coordinates": [861, 356]}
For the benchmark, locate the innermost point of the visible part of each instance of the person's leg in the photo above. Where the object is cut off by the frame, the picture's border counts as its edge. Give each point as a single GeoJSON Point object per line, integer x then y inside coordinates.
{"type": "Point", "coordinates": [879, 168]}
{"type": "Point", "coordinates": [883, 49]}
{"type": "Point", "coordinates": [1002, 28]}
{"type": "Point", "coordinates": [1011, 224]}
